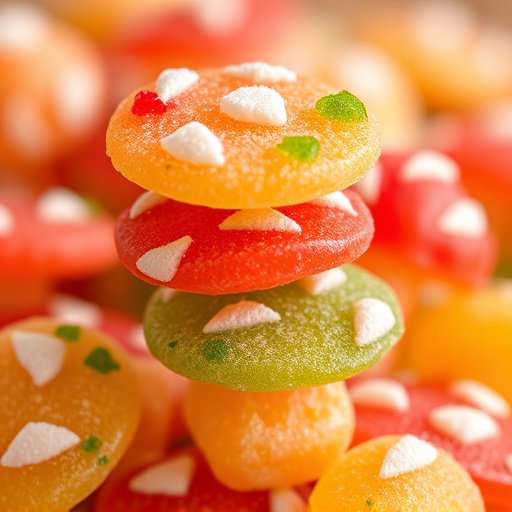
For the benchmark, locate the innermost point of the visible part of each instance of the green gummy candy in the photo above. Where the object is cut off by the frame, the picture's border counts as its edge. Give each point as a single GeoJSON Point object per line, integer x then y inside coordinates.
{"type": "Point", "coordinates": [303, 148]}
{"type": "Point", "coordinates": [342, 106]}
{"type": "Point", "coordinates": [303, 340]}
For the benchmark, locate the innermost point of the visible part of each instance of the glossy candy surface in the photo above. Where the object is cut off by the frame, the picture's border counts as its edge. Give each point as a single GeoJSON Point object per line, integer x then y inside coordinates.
{"type": "Point", "coordinates": [217, 143]}
{"type": "Point", "coordinates": [238, 251]}
{"type": "Point", "coordinates": [388, 474]}
{"type": "Point", "coordinates": [63, 405]}
{"type": "Point", "coordinates": [261, 440]}
{"type": "Point", "coordinates": [277, 339]}
{"type": "Point", "coordinates": [183, 482]}
{"type": "Point", "coordinates": [477, 431]}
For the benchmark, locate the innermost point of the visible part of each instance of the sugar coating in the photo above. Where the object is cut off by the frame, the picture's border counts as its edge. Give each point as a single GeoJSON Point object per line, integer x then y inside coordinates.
{"type": "Point", "coordinates": [464, 218]}
{"type": "Point", "coordinates": [196, 144]}
{"type": "Point", "coordinates": [61, 205]}
{"type": "Point", "coordinates": [6, 221]}
{"type": "Point", "coordinates": [40, 354]}
{"type": "Point", "coordinates": [369, 185]}
{"type": "Point", "coordinates": [430, 165]}
{"type": "Point", "coordinates": [508, 463]}
{"type": "Point", "coordinates": [324, 281]}
{"type": "Point", "coordinates": [336, 200]}
{"type": "Point", "coordinates": [480, 396]}
{"type": "Point", "coordinates": [170, 478]}
{"type": "Point", "coordinates": [71, 310]}
{"type": "Point", "coordinates": [383, 393]}
{"type": "Point", "coordinates": [245, 313]}
{"type": "Point", "coordinates": [373, 318]}
{"type": "Point", "coordinates": [172, 82]}
{"type": "Point", "coordinates": [146, 201]}
{"type": "Point", "coordinates": [255, 104]}
{"type": "Point", "coordinates": [463, 423]}
{"type": "Point", "coordinates": [260, 219]}
{"type": "Point", "coordinates": [37, 442]}
{"type": "Point", "coordinates": [22, 27]}
{"type": "Point", "coordinates": [162, 263]}
{"type": "Point", "coordinates": [261, 73]}
{"type": "Point", "coordinates": [286, 500]}
{"type": "Point", "coordinates": [408, 454]}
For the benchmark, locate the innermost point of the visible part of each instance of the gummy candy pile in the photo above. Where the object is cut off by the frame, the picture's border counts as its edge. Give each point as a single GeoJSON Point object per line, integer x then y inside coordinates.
{"type": "Point", "coordinates": [280, 290]}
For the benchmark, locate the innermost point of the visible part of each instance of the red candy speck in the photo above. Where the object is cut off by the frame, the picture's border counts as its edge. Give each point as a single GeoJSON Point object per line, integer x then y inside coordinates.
{"type": "Point", "coordinates": [148, 102]}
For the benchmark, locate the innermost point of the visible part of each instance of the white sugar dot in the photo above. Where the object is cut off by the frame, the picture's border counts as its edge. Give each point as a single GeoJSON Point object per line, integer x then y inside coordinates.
{"type": "Point", "coordinates": [196, 144]}
{"type": "Point", "coordinates": [408, 454]}
{"type": "Point", "coordinates": [478, 395]}
{"type": "Point", "coordinates": [369, 185]}
{"type": "Point", "coordinates": [6, 221]}
{"type": "Point", "coordinates": [430, 165]}
{"type": "Point", "coordinates": [144, 202]}
{"type": "Point", "coordinates": [71, 310]}
{"type": "Point", "coordinates": [464, 218]}
{"type": "Point", "coordinates": [22, 27]}
{"type": "Point", "coordinates": [286, 500]}
{"type": "Point", "coordinates": [324, 282]}
{"type": "Point", "coordinates": [373, 318]}
{"type": "Point", "coordinates": [463, 423]}
{"type": "Point", "coordinates": [259, 219]}
{"type": "Point", "coordinates": [37, 442]}
{"type": "Point", "coordinates": [261, 73]}
{"type": "Point", "coordinates": [170, 478]}
{"type": "Point", "coordinates": [40, 354]}
{"type": "Point", "coordinates": [162, 262]}
{"type": "Point", "coordinates": [336, 200]}
{"type": "Point", "coordinates": [61, 205]}
{"type": "Point", "coordinates": [382, 393]}
{"type": "Point", "coordinates": [78, 93]}
{"type": "Point", "coordinates": [508, 463]}
{"type": "Point", "coordinates": [255, 104]}
{"type": "Point", "coordinates": [172, 82]}
{"type": "Point", "coordinates": [245, 313]}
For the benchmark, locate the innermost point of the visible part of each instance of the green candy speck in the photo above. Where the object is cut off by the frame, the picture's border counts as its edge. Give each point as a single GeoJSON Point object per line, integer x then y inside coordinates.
{"type": "Point", "coordinates": [101, 360]}
{"type": "Point", "coordinates": [68, 332]}
{"type": "Point", "coordinates": [303, 148]}
{"type": "Point", "coordinates": [215, 350]}
{"type": "Point", "coordinates": [103, 460]}
{"type": "Point", "coordinates": [342, 106]}
{"type": "Point", "coordinates": [91, 444]}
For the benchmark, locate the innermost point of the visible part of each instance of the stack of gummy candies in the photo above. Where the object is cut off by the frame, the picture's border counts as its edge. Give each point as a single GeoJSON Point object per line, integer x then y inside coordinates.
{"type": "Point", "coordinates": [248, 229]}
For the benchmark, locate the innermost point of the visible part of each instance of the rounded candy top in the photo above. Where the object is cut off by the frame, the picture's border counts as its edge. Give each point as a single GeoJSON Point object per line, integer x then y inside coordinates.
{"type": "Point", "coordinates": [245, 136]}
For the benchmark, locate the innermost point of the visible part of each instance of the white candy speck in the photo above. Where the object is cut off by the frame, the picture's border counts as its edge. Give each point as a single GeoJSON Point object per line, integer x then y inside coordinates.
{"type": "Point", "coordinates": [71, 310]}
{"type": "Point", "coordinates": [430, 165]}
{"type": "Point", "coordinates": [172, 82]}
{"type": "Point", "coordinates": [286, 500]}
{"type": "Point", "coordinates": [196, 144]}
{"type": "Point", "coordinates": [508, 463]}
{"type": "Point", "coordinates": [245, 313]}
{"type": "Point", "coordinates": [37, 442]}
{"type": "Point", "coordinates": [6, 221]}
{"type": "Point", "coordinates": [465, 218]}
{"type": "Point", "coordinates": [259, 219]}
{"type": "Point", "coordinates": [382, 393]}
{"type": "Point", "coordinates": [372, 319]}
{"type": "Point", "coordinates": [162, 262]}
{"type": "Point", "coordinates": [336, 200]}
{"type": "Point", "coordinates": [324, 281]}
{"type": "Point", "coordinates": [369, 185]}
{"type": "Point", "coordinates": [40, 354]}
{"type": "Point", "coordinates": [255, 104]}
{"type": "Point", "coordinates": [261, 72]}
{"type": "Point", "coordinates": [408, 454]}
{"type": "Point", "coordinates": [61, 205]}
{"type": "Point", "coordinates": [170, 478]}
{"type": "Point", "coordinates": [463, 423]}
{"type": "Point", "coordinates": [478, 395]}
{"type": "Point", "coordinates": [22, 27]}
{"type": "Point", "coordinates": [144, 202]}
